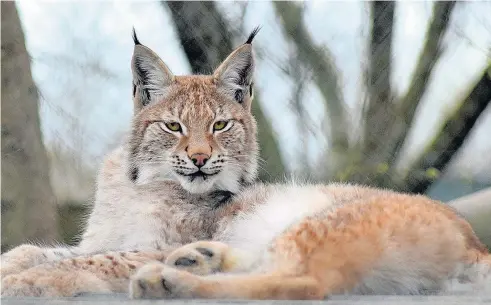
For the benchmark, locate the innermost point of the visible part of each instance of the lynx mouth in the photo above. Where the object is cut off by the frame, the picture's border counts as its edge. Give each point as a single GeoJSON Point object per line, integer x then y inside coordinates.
{"type": "Point", "coordinates": [198, 174]}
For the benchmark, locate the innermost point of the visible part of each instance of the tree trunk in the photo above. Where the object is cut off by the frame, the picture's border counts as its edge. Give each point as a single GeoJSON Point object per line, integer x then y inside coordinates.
{"type": "Point", "coordinates": [379, 110]}
{"type": "Point", "coordinates": [28, 204]}
{"type": "Point", "coordinates": [206, 40]}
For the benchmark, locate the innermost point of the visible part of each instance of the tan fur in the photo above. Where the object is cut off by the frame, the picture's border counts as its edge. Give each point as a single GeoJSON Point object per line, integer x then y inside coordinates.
{"type": "Point", "coordinates": [107, 272]}
{"type": "Point", "coordinates": [334, 251]}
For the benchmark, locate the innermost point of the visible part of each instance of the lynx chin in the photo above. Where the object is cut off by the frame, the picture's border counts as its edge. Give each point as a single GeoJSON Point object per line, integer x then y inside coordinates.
{"type": "Point", "coordinates": [178, 213]}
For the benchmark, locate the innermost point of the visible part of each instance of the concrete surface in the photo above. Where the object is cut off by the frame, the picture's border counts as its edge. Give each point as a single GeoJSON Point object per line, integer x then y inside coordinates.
{"type": "Point", "coordinates": [335, 300]}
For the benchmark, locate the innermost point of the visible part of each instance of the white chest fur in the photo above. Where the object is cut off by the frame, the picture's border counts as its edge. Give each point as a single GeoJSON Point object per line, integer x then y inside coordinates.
{"type": "Point", "coordinates": [254, 231]}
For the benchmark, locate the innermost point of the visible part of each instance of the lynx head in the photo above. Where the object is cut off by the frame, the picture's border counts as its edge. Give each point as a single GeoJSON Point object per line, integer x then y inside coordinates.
{"type": "Point", "coordinates": [197, 129]}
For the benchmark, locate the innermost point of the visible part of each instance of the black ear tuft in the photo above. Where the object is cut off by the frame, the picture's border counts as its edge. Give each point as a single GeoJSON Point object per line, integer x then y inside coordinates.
{"type": "Point", "coordinates": [135, 39]}
{"type": "Point", "coordinates": [134, 174]}
{"type": "Point", "coordinates": [252, 35]}
{"type": "Point", "coordinates": [151, 77]}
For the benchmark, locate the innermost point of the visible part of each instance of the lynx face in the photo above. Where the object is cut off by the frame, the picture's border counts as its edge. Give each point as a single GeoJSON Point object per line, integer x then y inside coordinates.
{"type": "Point", "coordinates": [196, 129]}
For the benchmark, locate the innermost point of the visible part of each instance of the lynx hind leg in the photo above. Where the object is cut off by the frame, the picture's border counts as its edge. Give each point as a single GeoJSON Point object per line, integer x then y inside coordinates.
{"type": "Point", "coordinates": [205, 257]}
{"type": "Point", "coordinates": [162, 281]}
{"type": "Point", "coordinates": [46, 281]}
{"type": "Point", "coordinates": [26, 256]}
{"type": "Point", "coordinates": [104, 272]}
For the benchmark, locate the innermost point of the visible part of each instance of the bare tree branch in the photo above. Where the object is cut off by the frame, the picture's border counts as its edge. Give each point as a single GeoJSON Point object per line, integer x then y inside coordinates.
{"type": "Point", "coordinates": [325, 73]}
{"type": "Point", "coordinates": [450, 139]}
{"type": "Point", "coordinates": [379, 110]}
{"type": "Point", "coordinates": [429, 56]}
{"type": "Point", "coordinates": [206, 40]}
{"type": "Point", "coordinates": [388, 121]}
{"type": "Point", "coordinates": [304, 126]}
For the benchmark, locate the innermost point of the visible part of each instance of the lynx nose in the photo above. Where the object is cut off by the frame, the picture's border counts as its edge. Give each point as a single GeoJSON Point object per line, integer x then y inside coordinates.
{"type": "Point", "coordinates": [199, 159]}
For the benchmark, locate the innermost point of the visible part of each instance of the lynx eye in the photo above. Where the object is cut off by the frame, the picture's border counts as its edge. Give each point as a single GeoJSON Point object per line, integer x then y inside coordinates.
{"type": "Point", "coordinates": [173, 126]}
{"type": "Point", "coordinates": [219, 125]}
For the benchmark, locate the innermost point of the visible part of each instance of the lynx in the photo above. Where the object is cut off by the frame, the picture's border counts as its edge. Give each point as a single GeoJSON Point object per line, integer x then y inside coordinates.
{"type": "Point", "coordinates": [181, 193]}
{"type": "Point", "coordinates": [192, 146]}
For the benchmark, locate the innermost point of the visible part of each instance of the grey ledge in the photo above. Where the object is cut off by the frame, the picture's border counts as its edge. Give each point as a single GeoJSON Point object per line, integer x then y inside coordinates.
{"type": "Point", "coordinates": [113, 299]}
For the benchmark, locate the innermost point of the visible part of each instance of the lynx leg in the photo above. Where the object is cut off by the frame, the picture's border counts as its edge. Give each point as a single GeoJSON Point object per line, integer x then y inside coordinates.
{"type": "Point", "coordinates": [26, 256]}
{"type": "Point", "coordinates": [52, 283]}
{"type": "Point", "coordinates": [161, 281]}
{"type": "Point", "coordinates": [108, 272]}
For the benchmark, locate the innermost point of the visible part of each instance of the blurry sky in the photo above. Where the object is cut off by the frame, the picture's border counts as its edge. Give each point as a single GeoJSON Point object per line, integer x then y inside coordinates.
{"type": "Point", "coordinates": [81, 54]}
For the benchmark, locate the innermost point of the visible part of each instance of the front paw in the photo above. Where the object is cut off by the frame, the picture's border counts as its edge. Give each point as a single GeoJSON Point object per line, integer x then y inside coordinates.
{"type": "Point", "coordinates": [20, 258]}
{"type": "Point", "coordinates": [202, 257]}
{"type": "Point", "coordinates": [158, 281]}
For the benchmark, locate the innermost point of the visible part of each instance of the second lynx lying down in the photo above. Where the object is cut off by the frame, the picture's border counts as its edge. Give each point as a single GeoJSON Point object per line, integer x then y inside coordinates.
{"type": "Point", "coordinates": [383, 244]}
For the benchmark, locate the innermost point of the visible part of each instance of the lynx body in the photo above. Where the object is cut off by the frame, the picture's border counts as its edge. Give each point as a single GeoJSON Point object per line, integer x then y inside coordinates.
{"type": "Point", "coordinates": [343, 239]}
{"type": "Point", "coordinates": [177, 210]}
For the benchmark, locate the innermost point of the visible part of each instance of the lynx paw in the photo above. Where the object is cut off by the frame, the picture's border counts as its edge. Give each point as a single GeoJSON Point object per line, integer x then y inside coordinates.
{"type": "Point", "coordinates": [21, 258]}
{"type": "Point", "coordinates": [158, 281]}
{"type": "Point", "coordinates": [202, 257]}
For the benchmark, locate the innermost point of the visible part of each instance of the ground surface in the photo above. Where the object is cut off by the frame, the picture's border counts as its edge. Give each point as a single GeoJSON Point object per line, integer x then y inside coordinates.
{"type": "Point", "coordinates": [337, 300]}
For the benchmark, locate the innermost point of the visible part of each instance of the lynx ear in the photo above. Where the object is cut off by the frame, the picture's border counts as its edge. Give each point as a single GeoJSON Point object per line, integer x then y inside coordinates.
{"type": "Point", "coordinates": [151, 77]}
{"type": "Point", "coordinates": [235, 74]}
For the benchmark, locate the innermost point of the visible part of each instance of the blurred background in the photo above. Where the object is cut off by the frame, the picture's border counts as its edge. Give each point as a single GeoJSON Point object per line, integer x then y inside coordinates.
{"type": "Point", "coordinates": [389, 94]}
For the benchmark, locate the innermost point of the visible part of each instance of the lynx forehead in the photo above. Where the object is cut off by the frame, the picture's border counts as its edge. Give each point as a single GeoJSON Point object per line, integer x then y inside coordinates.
{"type": "Point", "coordinates": [196, 129]}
